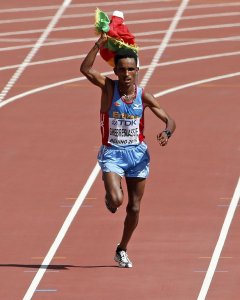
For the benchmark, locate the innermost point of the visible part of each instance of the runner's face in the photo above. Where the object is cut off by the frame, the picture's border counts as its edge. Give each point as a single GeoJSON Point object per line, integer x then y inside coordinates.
{"type": "Point", "coordinates": [126, 71]}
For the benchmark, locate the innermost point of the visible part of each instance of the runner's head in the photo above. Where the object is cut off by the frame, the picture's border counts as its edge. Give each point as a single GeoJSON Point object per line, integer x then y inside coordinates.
{"type": "Point", "coordinates": [126, 67]}
{"type": "Point", "coordinates": [125, 53]}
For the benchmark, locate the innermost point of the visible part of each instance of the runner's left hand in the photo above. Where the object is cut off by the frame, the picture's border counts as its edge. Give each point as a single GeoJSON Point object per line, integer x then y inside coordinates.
{"type": "Point", "coordinates": [162, 138]}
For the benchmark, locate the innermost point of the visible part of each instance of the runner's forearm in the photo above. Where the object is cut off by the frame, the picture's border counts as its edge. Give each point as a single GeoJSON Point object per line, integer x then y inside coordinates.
{"type": "Point", "coordinates": [89, 60]}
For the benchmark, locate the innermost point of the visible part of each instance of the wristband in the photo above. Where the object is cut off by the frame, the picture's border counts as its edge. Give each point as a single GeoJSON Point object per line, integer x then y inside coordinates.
{"type": "Point", "coordinates": [168, 133]}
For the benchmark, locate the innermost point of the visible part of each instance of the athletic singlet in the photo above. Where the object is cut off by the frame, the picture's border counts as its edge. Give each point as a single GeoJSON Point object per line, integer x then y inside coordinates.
{"type": "Point", "coordinates": [123, 124]}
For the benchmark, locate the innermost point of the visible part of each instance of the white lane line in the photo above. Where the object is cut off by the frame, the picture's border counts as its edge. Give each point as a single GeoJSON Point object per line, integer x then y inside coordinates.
{"type": "Point", "coordinates": [220, 243]}
{"type": "Point", "coordinates": [34, 50]}
{"type": "Point", "coordinates": [35, 271]}
{"type": "Point", "coordinates": [90, 181]}
{"type": "Point", "coordinates": [49, 7]}
{"type": "Point", "coordinates": [205, 271]}
{"type": "Point", "coordinates": [62, 233]}
{"type": "Point", "coordinates": [195, 83]}
{"type": "Point", "coordinates": [64, 229]}
{"type": "Point", "coordinates": [48, 61]}
{"type": "Point", "coordinates": [46, 290]}
{"type": "Point", "coordinates": [127, 11]}
{"type": "Point", "coordinates": [143, 21]}
{"type": "Point", "coordinates": [73, 80]}
{"type": "Point", "coordinates": [27, 298]}
{"type": "Point", "coordinates": [178, 44]}
{"type": "Point", "coordinates": [84, 192]}
{"type": "Point", "coordinates": [165, 42]}
{"type": "Point", "coordinates": [166, 63]}
{"type": "Point", "coordinates": [186, 29]}
{"type": "Point", "coordinates": [226, 205]}
{"type": "Point", "coordinates": [192, 59]}
{"type": "Point", "coordinates": [138, 34]}
{"type": "Point", "coordinates": [205, 41]}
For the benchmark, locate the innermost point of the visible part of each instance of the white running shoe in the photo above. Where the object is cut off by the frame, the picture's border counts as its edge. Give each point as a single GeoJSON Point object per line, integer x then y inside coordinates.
{"type": "Point", "coordinates": [122, 259]}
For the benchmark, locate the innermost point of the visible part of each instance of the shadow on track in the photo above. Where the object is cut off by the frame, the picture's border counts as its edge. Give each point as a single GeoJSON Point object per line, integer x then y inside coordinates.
{"type": "Point", "coordinates": [56, 267]}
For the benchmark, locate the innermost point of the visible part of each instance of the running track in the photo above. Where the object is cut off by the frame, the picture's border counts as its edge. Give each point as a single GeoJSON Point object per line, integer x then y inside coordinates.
{"type": "Point", "coordinates": [57, 239]}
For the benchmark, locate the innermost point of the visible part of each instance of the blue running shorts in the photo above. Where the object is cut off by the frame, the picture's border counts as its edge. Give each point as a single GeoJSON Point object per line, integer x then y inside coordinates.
{"type": "Point", "coordinates": [132, 161]}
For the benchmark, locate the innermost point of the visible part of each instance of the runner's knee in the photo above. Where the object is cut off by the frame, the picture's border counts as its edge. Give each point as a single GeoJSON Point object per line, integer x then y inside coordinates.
{"type": "Point", "coordinates": [133, 209]}
{"type": "Point", "coordinates": [116, 198]}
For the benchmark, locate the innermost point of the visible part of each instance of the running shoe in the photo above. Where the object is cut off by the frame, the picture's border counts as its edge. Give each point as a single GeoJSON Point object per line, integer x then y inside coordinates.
{"type": "Point", "coordinates": [122, 259]}
{"type": "Point", "coordinates": [109, 207]}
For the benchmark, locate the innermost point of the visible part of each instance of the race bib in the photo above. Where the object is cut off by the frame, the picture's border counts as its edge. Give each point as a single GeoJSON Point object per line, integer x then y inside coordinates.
{"type": "Point", "coordinates": [123, 131]}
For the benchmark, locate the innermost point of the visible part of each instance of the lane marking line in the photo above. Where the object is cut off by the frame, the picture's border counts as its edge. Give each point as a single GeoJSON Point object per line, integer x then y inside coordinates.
{"type": "Point", "coordinates": [164, 43]}
{"type": "Point", "coordinates": [162, 93]}
{"type": "Point", "coordinates": [38, 290]}
{"type": "Point", "coordinates": [187, 29]}
{"type": "Point", "coordinates": [129, 11]}
{"type": "Point", "coordinates": [140, 21]}
{"type": "Point", "coordinates": [35, 271]}
{"type": "Point", "coordinates": [67, 223]}
{"type": "Point", "coordinates": [42, 257]}
{"type": "Point", "coordinates": [169, 91]}
{"type": "Point", "coordinates": [205, 41]}
{"type": "Point", "coordinates": [34, 50]}
{"type": "Point", "coordinates": [220, 243]}
{"type": "Point", "coordinates": [166, 63]}
{"type": "Point", "coordinates": [195, 83]}
{"type": "Point", "coordinates": [204, 271]}
{"type": "Point", "coordinates": [74, 198]}
{"type": "Point", "coordinates": [90, 181]}
{"type": "Point", "coordinates": [62, 233]}
{"type": "Point", "coordinates": [209, 257]}
{"type": "Point", "coordinates": [139, 35]}
{"type": "Point", "coordinates": [226, 205]}
{"type": "Point", "coordinates": [49, 7]}
{"type": "Point", "coordinates": [46, 290]}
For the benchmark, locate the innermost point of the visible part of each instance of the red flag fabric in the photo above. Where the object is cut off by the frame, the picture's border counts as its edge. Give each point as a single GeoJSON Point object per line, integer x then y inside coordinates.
{"type": "Point", "coordinates": [118, 33]}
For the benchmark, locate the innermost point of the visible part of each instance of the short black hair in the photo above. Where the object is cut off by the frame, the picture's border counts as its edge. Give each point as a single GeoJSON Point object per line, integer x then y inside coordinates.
{"type": "Point", "coordinates": [125, 53]}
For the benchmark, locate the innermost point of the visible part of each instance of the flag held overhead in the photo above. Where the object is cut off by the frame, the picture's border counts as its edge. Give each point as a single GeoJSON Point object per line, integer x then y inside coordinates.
{"type": "Point", "coordinates": [118, 34]}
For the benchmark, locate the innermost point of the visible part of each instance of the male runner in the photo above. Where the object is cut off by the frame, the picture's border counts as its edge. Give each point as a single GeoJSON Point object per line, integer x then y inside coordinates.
{"type": "Point", "coordinates": [123, 152]}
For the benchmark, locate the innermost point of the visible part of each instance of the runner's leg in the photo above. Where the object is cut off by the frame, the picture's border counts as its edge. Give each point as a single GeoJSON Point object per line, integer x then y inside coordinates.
{"type": "Point", "coordinates": [114, 193]}
{"type": "Point", "coordinates": [135, 188]}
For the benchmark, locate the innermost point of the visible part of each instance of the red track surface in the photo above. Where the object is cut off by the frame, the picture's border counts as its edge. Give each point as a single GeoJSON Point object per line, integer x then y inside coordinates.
{"type": "Point", "coordinates": [49, 142]}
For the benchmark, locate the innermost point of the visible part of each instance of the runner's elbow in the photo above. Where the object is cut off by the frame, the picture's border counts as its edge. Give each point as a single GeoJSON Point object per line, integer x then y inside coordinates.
{"type": "Point", "coordinates": [83, 70]}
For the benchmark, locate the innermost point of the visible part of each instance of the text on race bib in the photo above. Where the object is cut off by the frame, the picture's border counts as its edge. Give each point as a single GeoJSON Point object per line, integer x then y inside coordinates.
{"type": "Point", "coordinates": [123, 131]}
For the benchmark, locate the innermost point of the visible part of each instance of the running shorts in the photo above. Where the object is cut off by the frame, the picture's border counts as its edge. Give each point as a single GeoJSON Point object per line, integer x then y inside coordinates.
{"type": "Point", "coordinates": [129, 162]}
